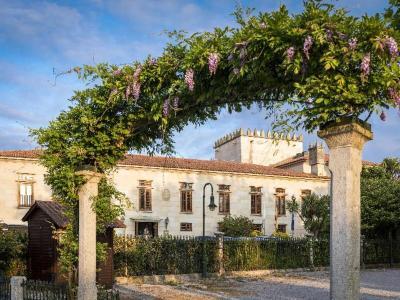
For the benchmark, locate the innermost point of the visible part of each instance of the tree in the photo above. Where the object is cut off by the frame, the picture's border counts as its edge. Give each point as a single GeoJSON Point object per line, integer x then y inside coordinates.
{"type": "Point", "coordinates": [322, 65]}
{"type": "Point", "coordinates": [380, 199]}
{"type": "Point", "coordinates": [314, 212]}
{"type": "Point", "coordinates": [236, 226]}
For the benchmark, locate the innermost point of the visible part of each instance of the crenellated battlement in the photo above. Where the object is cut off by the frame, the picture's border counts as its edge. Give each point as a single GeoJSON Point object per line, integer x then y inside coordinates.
{"type": "Point", "coordinates": [258, 133]}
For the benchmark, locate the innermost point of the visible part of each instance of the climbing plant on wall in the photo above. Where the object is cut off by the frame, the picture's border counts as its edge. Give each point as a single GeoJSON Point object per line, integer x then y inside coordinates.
{"type": "Point", "coordinates": [306, 69]}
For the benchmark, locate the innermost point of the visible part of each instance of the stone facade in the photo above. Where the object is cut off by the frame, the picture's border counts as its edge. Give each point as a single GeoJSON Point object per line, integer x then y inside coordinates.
{"type": "Point", "coordinates": [243, 160]}
{"type": "Point", "coordinates": [257, 147]}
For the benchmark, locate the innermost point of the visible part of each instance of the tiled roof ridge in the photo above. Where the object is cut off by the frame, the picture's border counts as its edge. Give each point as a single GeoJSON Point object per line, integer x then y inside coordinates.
{"type": "Point", "coordinates": [184, 163]}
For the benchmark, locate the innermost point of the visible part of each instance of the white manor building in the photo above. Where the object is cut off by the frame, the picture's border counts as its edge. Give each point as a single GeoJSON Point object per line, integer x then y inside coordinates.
{"type": "Point", "coordinates": [254, 174]}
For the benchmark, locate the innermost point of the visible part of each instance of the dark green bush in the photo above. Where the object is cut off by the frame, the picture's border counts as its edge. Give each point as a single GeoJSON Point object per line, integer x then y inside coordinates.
{"type": "Point", "coordinates": [13, 253]}
{"type": "Point", "coordinates": [162, 255]}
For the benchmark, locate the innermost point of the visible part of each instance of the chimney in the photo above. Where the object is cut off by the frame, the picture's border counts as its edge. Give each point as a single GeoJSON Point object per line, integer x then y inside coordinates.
{"type": "Point", "coordinates": [317, 159]}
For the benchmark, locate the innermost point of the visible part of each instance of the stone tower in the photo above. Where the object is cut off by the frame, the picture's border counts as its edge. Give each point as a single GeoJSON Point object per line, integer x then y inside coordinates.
{"type": "Point", "coordinates": [257, 147]}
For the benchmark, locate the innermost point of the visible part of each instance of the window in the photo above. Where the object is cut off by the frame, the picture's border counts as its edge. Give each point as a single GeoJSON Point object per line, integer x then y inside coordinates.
{"type": "Point", "coordinates": [282, 228]}
{"type": "Point", "coordinates": [305, 193]}
{"type": "Point", "coordinates": [186, 226]}
{"type": "Point", "coordinates": [257, 227]}
{"type": "Point", "coordinates": [25, 182]}
{"type": "Point", "coordinates": [224, 198]}
{"type": "Point", "coordinates": [144, 195]}
{"type": "Point", "coordinates": [186, 197]}
{"type": "Point", "coordinates": [255, 194]}
{"type": "Point", "coordinates": [280, 202]}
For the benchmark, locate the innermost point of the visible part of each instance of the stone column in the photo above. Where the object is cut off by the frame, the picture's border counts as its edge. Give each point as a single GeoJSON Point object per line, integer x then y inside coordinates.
{"type": "Point", "coordinates": [87, 236]}
{"type": "Point", "coordinates": [17, 291]}
{"type": "Point", "coordinates": [345, 141]}
{"type": "Point", "coordinates": [220, 252]}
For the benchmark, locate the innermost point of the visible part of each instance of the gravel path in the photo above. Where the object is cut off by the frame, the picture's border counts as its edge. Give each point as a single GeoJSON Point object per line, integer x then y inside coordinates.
{"type": "Point", "coordinates": [375, 284]}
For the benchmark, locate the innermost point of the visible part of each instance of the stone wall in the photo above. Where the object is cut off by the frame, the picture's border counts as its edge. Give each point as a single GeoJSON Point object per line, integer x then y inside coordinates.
{"type": "Point", "coordinates": [127, 180]}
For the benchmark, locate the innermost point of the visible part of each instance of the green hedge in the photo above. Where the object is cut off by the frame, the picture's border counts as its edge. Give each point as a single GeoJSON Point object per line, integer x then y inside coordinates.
{"type": "Point", "coordinates": [258, 254]}
{"type": "Point", "coordinates": [183, 255]}
{"type": "Point", "coordinates": [162, 255]}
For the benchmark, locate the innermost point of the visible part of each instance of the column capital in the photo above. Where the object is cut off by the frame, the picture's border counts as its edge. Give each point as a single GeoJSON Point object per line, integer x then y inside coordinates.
{"type": "Point", "coordinates": [90, 176]}
{"type": "Point", "coordinates": [348, 133]}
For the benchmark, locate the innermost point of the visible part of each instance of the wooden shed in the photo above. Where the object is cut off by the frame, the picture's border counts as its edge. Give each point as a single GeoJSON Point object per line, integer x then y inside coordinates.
{"type": "Point", "coordinates": [46, 217]}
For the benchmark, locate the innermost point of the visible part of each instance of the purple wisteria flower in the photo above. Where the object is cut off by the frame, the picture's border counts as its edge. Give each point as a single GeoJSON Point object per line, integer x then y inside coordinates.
{"type": "Point", "coordinates": [392, 47]}
{"type": "Point", "coordinates": [117, 72]}
{"type": "Point", "coordinates": [382, 116]}
{"type": "Point", "coordinates": [243, 53]}
{"type": "Point", "coordinates": [329, 35]}
{"type": "Point", "coordinates": [213, 60]}
{"type": "Point", "coordinates": [189, 79]}
{"type": "Point", "coordinates": [166, 108]}
{"type": "Point", "coordinates": [137, 72]}
{"type": "Point", "coordinates": [136, 90]}
{"type": "Point", "coordinates": [308, 42]}
{"type": "Point", "coordinates": [128, 92]}
{"type": "Point", "coordinates": [290, 53]}
{"type": "Point", "coordinates": [394, 95]}
{"type": "Point", "coordinates": [365, 66]}
{"type": "Point", "coordinates": [153, 61]}
{"type": "Point", "coordinates": [352, 44]}
{"type": "Point", "coordinates": [175, 103]}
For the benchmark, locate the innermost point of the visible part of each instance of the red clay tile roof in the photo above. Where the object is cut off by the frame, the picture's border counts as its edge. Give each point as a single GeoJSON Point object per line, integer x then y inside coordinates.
{"type": "Point", "coordinates": [208, 165]}
{"type": "Point", "coordinates": [20, 153]}
{"type": "Point", "coordinates": [304, 156]}
{"type": "Point", "coordinates": [184, 163]}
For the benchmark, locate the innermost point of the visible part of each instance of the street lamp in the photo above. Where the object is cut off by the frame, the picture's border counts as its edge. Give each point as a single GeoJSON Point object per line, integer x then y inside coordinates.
{"type": "Point", "coordinates": [212, 207]}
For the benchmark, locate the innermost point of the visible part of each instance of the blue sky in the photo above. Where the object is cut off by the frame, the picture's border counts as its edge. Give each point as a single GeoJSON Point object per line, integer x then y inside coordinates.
{"type": "Point", "coordinates": [40, 38]}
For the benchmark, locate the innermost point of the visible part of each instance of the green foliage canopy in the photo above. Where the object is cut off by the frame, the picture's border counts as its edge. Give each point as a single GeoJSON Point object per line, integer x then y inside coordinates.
{"type": "Point", "coordinates": [314, 212]}
{"type": "Point", "coordinates": [380, 198]}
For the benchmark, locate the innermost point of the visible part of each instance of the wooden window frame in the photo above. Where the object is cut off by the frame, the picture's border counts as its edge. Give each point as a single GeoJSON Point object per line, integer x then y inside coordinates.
{"type": "Point", "coordinates": [185, 226]}
{"type": "Point", "coordinates": [255, 200]}
{"type": "Point", "coordinates": [305, 193]}
{"type": "Point", "coordinates": [25, 181]}
{"type": "Point", "coordinates": [145, 190]}
{"type": "Point", "coordinates": [280, 226]}
{"type": "Point", "coordinates": [186, 194]}
{"type": "Point", "coordinates": [224, 199]}
{"type": "Point", "coordinates": [280, 202]}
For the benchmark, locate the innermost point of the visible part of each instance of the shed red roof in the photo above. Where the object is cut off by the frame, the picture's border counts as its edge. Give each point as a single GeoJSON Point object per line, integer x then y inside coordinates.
{"type": "Point", "coordinates": [184, 163]}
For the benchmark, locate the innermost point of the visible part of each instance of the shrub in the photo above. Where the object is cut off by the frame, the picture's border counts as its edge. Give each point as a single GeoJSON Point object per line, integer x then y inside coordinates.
{"type": "Point", "coordinates": [13, 253]}
{"type": "Point", "coordinates": [236, 226]}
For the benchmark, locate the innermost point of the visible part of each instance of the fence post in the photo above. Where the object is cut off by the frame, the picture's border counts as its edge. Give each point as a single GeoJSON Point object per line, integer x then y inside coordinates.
{"type": "Point", "coordinates": [220, 252]}
{"type": "Point", "coordinates": [311, 252]}
{"type": "Point", "coordinates": [17, 292]}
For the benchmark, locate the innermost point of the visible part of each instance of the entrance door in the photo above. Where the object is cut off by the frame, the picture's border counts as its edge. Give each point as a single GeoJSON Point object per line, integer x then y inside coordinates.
{"type": "Point", "coordinates": [147, 229]}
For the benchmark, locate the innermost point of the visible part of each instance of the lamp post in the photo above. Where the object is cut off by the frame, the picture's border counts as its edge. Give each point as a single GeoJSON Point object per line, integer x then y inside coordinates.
{"type": "Point", "coordinates": [212, 207]}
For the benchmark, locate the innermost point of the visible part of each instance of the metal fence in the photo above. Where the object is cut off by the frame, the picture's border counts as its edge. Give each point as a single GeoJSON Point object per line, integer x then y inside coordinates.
{"type": "Point", "coordinates": [42, 290]}
{"type": "Point", "coordinates": [5, 289]}
{"type": "Point", "coordinates": [180, 255]}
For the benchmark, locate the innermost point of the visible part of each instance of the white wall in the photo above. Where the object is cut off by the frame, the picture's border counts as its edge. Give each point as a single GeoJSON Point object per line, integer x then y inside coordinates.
{"type": "Point", "coordinates": [127, 177]}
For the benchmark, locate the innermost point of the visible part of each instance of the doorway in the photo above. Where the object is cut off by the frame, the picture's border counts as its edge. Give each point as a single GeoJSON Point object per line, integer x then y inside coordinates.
{"type": "Point", "coordinates": [146, 229]}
